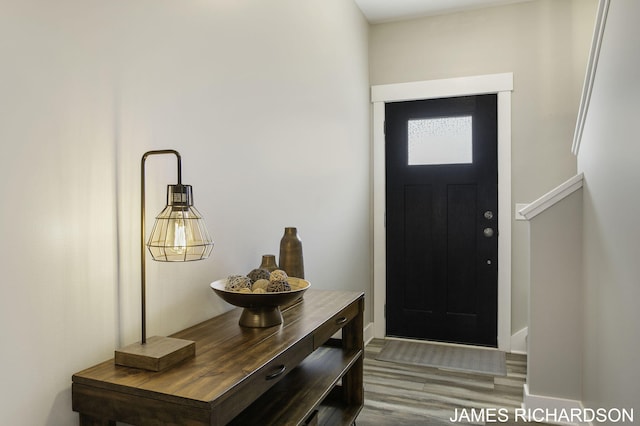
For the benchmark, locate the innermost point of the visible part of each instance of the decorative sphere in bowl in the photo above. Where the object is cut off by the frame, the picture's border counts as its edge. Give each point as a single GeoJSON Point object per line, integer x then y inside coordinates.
{"type": "Point", "coordinates": [261, 309]}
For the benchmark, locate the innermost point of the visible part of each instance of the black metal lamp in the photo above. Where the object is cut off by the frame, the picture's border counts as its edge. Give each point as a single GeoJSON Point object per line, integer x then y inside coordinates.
{"type": "Point", "coordinates": [179, 235]}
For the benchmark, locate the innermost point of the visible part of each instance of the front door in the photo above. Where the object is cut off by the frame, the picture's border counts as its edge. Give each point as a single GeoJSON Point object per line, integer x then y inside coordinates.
{"type": "Point", "coordinates": [442, 219]}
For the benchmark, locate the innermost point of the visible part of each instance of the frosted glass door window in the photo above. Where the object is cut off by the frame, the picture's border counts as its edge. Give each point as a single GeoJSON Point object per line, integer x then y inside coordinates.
{"type": "Point", "coordinates": [445, 140]}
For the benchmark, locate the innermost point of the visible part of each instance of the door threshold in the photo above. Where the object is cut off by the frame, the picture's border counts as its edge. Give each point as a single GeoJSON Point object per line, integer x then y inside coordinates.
{"type": "Point", "coordinates": [437, 342]}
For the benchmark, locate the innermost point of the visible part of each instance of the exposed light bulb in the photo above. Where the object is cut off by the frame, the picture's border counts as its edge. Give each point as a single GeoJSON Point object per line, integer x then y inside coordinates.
{"type": "Point", "coordinates": [179, 237]}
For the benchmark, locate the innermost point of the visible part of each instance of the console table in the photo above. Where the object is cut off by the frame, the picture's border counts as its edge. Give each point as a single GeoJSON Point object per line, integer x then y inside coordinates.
{"type": "Point", "coordinates": [291, 374]}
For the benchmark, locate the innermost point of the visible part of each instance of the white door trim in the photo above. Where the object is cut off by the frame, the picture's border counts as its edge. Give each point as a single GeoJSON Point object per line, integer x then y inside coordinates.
{"type": "Point", "coordinates": [502, 85]}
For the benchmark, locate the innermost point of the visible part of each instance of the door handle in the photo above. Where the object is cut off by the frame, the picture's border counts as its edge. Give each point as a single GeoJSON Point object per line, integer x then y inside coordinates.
{"type": "Point", "coordinates": [488, 232]}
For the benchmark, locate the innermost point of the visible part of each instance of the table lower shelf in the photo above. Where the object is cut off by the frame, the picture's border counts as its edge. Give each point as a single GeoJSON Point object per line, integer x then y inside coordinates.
{"type": "Point", "coordinates": [311, 389]}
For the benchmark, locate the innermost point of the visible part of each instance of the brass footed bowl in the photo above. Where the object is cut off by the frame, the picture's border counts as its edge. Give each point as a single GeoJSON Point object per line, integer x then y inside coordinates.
{"type": "Point", "coordinates": [261, 309]}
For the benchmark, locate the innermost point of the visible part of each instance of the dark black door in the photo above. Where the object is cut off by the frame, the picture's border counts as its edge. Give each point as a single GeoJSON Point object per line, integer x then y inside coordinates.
{"type": "Point", "coordinates": [442, 219]}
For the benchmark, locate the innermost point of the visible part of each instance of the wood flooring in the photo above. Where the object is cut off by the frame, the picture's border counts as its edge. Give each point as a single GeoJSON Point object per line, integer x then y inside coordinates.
{"type": "Point", "coordinates": [406, 395]}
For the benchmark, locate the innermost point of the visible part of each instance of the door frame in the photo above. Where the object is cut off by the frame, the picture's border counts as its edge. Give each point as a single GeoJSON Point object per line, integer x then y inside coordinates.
{"type": "Point", "coordinates": [500, 84]}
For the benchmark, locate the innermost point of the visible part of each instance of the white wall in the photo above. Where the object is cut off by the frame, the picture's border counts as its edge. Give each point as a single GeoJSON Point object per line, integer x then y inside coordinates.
{"type": "Point", "coordinates": [608, 158]}
{"type": "Point", "coordinates": [545, 44]}
{"type": "Point", "coordinates": [554, 361]}
{"type": "Point", "coordinates": [267, 103]}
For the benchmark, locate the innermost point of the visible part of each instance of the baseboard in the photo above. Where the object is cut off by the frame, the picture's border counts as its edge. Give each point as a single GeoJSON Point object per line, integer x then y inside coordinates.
{"type": "Point", "coordinates": [368, 333]}
{"type": "Point", "coordinates": [519, 341]}
{"type": "Point", "coordinates": [546, 404]}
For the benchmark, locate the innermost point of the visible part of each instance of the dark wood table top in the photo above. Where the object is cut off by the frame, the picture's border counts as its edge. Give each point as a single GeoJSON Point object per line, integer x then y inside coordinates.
{"type": "Point", "coordinates": [226, 354]}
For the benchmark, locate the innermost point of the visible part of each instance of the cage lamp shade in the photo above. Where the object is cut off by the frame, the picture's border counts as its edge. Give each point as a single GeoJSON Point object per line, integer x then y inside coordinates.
{"type": "Point", "coordinates": [179, 233]}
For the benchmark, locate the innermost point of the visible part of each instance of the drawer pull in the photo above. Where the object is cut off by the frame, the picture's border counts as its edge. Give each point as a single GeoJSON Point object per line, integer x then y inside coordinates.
{"type": "Point", "coordinates": [341, 320]}
{"type": "Point", "coordinates": [275, 374]}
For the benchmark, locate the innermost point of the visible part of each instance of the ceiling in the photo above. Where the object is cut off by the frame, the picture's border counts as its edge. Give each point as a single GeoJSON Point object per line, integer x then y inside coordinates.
{"type": "Point", "coordinates": [377, 11]}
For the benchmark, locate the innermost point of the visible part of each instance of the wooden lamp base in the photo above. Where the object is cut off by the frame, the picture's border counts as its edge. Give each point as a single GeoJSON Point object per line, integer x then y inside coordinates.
{"type": "Point", "coordinates": [157, 354]}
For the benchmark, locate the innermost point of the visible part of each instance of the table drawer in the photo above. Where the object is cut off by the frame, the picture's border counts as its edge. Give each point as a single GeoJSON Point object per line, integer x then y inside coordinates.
{"type": "Point", "coordinates": [331, 327]}
{"type": "Point", "coordinates": [262, 379]}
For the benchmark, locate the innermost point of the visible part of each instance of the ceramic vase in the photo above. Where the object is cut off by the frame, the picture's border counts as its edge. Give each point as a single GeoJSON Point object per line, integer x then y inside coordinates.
{"type": "Point", "coordinates": [291, 260]}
